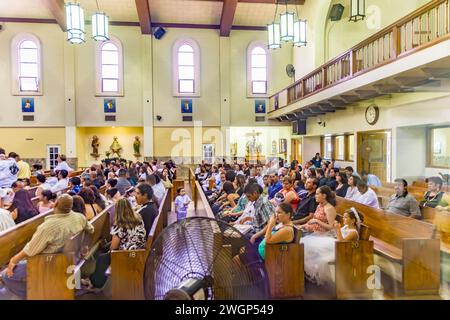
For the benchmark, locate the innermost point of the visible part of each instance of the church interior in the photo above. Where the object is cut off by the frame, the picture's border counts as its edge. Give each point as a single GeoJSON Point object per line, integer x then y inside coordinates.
{"type": "Point", "coordinates": [224, 149]}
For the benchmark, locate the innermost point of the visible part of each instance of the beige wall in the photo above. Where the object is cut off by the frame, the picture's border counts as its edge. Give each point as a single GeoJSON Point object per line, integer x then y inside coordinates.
{"type": "Point", "coordinates": [342, 35]}
{"type": "Point", "coordinates": [89, 108]}
{"type": "Point", "coordinates": [31, 142]}
{"type": "Point", "coordinates": [327, 39]}
{"type": "Point", "coordinates": [49, 108]}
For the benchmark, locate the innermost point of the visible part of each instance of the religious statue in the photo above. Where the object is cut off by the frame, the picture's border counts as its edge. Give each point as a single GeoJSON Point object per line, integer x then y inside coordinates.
{"type": "Point", "coordinates": [253, 148]}
{"type": "Point", "coordinates": [136, 147]}
{"type": "Point", "coordinates": [115, 147]}
{"type": "Point", "coordinates": [95, 143]}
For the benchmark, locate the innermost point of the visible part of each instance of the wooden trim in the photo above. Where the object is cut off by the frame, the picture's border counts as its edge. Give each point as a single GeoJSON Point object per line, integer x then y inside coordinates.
{"type": "Point", "coordinates": [57, 8]}
{"type": "Point", "coordinates": [226, 20]}
{"type": "Point", "coordinates": [143, 11]}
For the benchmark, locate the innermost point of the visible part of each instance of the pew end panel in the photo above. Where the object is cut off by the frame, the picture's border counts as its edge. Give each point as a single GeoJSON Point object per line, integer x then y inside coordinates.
{"type": "Point", "coordinates": [285, 270]}
{"type": "Point", "coordinates": [353, 261]}
{"type": "Point", "coordinates": [127, 269]}
{"type": "Point", "coordinates": [421, 266]}
{"type": "Point", "coordinates": [49, 277]}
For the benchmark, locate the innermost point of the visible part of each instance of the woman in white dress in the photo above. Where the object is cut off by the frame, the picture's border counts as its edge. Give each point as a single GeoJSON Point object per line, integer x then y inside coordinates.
{"type": "Point", "coordinates": [320, 249]}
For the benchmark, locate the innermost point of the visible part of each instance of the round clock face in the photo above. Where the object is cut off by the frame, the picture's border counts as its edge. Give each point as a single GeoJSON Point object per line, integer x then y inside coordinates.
{"type": "Point", "coordinates": [372, 114]}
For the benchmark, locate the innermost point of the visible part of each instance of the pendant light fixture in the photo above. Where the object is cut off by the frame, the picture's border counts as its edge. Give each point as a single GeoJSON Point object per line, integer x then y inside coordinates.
{"type": "Point", "coordinates": [287, 25]}
{"type": "Point", "coordinates": [299, 31]}
{"type": "Point", "coordinates": [357, 10]}
{"type": "Point", "coordinates": [273, 31]}
{"type": "Point", "coordinates": [75, 23]}
{"type": "Point", "coordinates": [288, 29]}
{"type": "Point", "coordinates": [100, 25]}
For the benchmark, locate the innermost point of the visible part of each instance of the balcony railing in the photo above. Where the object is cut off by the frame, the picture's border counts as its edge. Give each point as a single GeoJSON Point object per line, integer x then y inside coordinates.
{"type": "Point", "coordinates": [422, 28]}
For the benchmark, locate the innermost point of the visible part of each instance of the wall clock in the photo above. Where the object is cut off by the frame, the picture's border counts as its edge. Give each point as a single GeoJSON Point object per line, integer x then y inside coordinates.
{"type": "Point", "coordinates": [372, 114]}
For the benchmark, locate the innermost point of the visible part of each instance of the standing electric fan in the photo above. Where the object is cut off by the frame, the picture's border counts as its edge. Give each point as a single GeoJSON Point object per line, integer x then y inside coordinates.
{"type": "Point", "coordinates": [203, 259]}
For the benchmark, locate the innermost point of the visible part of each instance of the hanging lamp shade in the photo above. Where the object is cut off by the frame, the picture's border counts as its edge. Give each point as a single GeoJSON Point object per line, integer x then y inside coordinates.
{"type": "Point", "coordinates": [273, 31]}
{"type": "Point", "coordinates": [357, 10]}
{"type": "Point", "coordinates": [300, 33]}
{"type": "Point", "coordinates": [100, 26]}
{"type": "Point", "coordinates": [75, 23]}
{"type": "Point", "coordinates": [287, 26]}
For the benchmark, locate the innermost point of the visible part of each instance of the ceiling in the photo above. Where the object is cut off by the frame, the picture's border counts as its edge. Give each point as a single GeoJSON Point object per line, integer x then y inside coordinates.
{"type": "Point", "coordinates": [248, 12]}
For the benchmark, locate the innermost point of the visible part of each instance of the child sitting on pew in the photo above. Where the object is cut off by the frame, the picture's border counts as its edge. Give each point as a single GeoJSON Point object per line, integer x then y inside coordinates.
{"type": "Point", "coordinates": [320, 249]}
{"type": "Point", "coordinates": [45, 201]}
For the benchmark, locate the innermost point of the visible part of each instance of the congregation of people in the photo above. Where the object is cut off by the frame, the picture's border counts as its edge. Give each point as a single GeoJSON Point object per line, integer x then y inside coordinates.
{"type": "Point", "coordinates": [270, 203]}
{"type": "Point", "coordinates": [134, 189]}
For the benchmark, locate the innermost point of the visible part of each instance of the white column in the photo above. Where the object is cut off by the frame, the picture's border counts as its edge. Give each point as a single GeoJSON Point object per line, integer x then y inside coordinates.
{"type": "Point", "coordinates": [225, 95]}
{"type": "Point", "coordinates": [147, 94]}
{"type": "Point", "coordinates": [69, 104]}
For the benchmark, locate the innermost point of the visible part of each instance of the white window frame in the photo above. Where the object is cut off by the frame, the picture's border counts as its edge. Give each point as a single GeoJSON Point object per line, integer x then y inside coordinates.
{"type": "Point", "coordinates": [49, 147]}
{"type": "Point", "coordinates": [197, 69]}
{"type": "Point", "coordinates": [98, 68]}
{"type": "Point", "coordinates": [15, 65]}
{"type": "Point", "coordinates": [250, 48]}
{"type": "Point", "coordinates": [209, 160]}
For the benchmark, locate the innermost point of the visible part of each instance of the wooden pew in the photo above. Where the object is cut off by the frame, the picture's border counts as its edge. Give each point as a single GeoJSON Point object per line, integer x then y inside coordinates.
{"type": "Point", "coordinates": [127, 266]}
{"type": "Point", "coordinates": [14, 239]}
{"type": "Point", "coordinates": [32, 192]}
{"type": "Point", "coordinates": [194, 191]}
{"type": "Point", "coordinates": [52, 276]}
{"type": "Point", "coordinates": [406, 249]}
{"type": "Point", "coordinates": [285, 269]}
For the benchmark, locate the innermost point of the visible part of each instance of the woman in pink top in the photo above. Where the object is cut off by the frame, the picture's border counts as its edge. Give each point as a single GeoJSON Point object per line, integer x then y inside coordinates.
{"type": "Point", "coordinates": [325, 215]}
{"type": "Point", "coordinates": [290, 196]}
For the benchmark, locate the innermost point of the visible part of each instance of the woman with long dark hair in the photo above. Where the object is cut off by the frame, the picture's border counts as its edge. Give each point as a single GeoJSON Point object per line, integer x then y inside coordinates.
{"type": "Point", "coordinates": [22, 208]}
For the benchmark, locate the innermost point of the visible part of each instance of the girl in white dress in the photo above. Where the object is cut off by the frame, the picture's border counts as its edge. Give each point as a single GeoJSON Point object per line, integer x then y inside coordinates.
{"type": "Point", "coordinates": [320, 249]}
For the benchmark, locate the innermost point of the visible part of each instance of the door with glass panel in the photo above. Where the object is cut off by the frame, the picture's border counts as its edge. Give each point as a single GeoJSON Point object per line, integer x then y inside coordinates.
{"type": "Point", "coordinates": [374, 154]}
{"type": "Point", "coordinates": [52, 154]}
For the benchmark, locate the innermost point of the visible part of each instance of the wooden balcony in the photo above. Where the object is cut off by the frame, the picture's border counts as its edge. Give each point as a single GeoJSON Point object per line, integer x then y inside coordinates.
{"type": "Point", "coordinates": [424, 28]}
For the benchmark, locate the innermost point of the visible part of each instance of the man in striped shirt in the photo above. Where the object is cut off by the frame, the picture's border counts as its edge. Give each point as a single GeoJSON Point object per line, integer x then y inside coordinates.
{"type": "Point", "coordinates": [49, 237]}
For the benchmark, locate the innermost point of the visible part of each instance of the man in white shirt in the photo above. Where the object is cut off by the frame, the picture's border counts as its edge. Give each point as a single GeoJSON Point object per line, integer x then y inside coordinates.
{"type": "Point", "coordinates": [8, 170]}
{"type": "Point", "coordinates": [367, 196]}
{"type": "Point", "coordinates": [63, 182]}
{"type": "Point", "coordinates": [62, 164]}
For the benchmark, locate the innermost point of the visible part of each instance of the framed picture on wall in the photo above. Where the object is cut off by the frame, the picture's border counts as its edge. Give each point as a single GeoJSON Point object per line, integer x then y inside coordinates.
{"type": "Point", "coordinates": [283, 145]}
{"type": "Point", "coordinates": [260, 106]}
{"type": "Point", "coordinates": [27, 104]}
{"type": "Point", "coordinates": [109, 105]}
{"type": "Point", "coordinates": [186, 106]}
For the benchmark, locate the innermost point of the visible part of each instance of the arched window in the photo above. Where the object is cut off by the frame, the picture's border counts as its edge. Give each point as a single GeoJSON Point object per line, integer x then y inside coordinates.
{"type": "Point", "coordinates": [186, 63]}
{"type": "Point", "coordinates": [26, 53]}
{"type": "Point", "coordinates": [109, 68]}
{"type": "Point", "coordinates": [257, 69]}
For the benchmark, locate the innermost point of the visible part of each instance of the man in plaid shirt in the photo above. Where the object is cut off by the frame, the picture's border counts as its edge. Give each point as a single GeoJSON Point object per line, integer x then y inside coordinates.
{"type": "Point", "coordinates": [263, 208]}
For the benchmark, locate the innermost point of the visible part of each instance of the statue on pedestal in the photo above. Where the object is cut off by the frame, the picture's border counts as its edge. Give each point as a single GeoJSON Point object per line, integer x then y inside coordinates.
{"type": "Point", "coordinates": [136, 147]}
{"type": "Point", "coordinates": [115, 147]}
{"type": "Point", "coordinates": [95, 144]}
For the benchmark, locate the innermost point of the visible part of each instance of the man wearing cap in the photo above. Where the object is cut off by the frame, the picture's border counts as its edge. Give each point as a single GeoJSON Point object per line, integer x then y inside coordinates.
{"type": "Point", "coordinates": [49, 237]}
